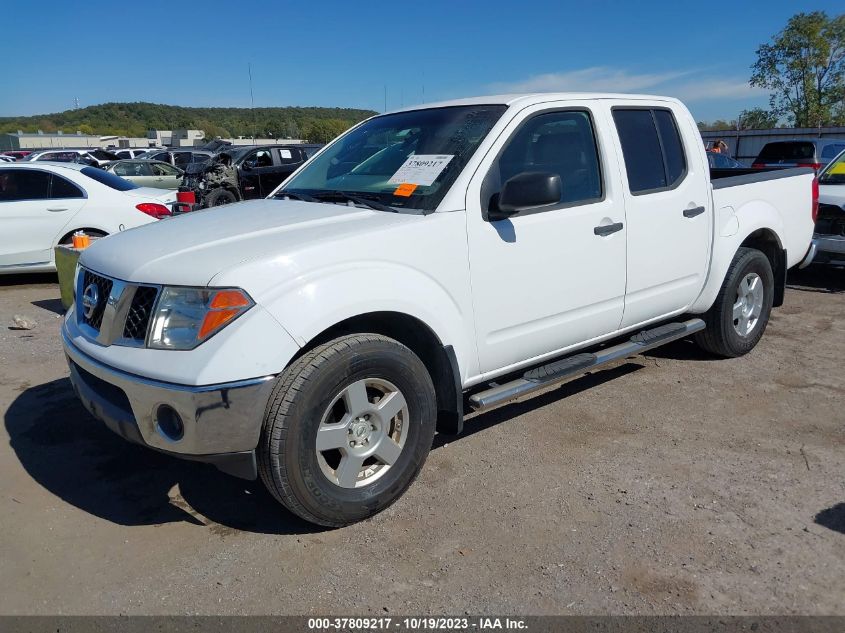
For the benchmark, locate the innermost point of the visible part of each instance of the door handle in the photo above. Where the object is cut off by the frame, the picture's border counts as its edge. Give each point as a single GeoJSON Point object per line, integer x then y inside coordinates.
{"type": "Point", "coordinates": [56, 209]}
{"type": "Point", "coordinates": [691, 213]}
{"type": "Point", "coordinates": [607, 229]}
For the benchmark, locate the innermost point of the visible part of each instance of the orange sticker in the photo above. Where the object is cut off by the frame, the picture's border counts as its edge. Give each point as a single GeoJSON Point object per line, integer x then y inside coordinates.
{"type": "Point", "coordinates": [405, 189]}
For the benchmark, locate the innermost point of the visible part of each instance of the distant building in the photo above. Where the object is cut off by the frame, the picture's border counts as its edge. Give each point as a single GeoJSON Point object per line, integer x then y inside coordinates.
{"type": "Point", "coordinates": [248, 140]}
{"type": "Point", "coordinates": [42, 140]}
{"type": "Point", "coordinates": [187, 138]}
{"type": "Point", "coordinates": [159, 137]}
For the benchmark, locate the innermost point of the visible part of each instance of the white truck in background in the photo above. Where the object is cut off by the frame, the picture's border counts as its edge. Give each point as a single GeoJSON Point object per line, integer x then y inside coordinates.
{"type": "Point", "coordinates": [481, 249]}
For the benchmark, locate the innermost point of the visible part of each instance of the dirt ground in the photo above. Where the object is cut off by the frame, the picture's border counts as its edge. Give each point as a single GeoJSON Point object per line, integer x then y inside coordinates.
{"type": "Point", "coordinates": [668, 484]}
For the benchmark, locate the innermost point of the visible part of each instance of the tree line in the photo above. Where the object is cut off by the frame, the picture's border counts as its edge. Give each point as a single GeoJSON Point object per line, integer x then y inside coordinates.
{"type": "Point", "coordinates": [803, 68]}
{"type": "Point", "coordinates": [135, 119]}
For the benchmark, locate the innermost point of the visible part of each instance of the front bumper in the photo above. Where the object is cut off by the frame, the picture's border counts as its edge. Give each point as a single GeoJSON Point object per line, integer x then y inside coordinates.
{"type": "Point", "coordinates": [220, 423]}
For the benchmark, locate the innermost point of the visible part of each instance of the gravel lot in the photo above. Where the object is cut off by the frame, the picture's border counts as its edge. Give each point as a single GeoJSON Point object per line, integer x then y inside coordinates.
{"type": "Point", "coordinates": [672, 483]}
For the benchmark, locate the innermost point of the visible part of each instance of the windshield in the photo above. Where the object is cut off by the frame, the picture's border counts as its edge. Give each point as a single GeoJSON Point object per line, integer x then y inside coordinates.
{"type": "Point", "coordinates": [407, 159]}
{"type": "Point", "coordinates": [834, 173]}
{"type": "Point", "coordinates": [108, 179]}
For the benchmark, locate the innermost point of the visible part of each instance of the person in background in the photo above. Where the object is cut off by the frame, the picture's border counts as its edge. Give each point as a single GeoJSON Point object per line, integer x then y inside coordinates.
{"type": "Point", "coordinates": [719, 147]}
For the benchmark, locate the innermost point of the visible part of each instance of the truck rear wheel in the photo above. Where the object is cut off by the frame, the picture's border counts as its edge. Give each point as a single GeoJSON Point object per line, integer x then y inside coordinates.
{"type": "Point", "coordinates": [347, 429]}
{"type": "Point", "coordinates": [738, 318]}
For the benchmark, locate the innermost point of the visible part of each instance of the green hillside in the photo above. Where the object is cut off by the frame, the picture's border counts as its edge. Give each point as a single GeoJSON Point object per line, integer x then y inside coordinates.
{"type": "Point", "coordinates": [134, 119]}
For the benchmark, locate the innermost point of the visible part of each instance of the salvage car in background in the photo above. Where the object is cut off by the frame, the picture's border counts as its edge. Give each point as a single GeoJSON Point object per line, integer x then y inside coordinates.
{"type": "Point", "coordinates": [148, 173]}
{"type": "Point", "coordinates": [43, 204]}
{"type": "Point", "coordinates": [243, 173]}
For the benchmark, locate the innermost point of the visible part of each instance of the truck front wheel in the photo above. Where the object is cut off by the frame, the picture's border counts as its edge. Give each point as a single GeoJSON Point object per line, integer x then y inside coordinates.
{"type": "Point", "coordinates": [219, 197]}
{"type": "Point", "coordinates": [347, 429]}
{"type": "Point", "coordinates": [738, 318]}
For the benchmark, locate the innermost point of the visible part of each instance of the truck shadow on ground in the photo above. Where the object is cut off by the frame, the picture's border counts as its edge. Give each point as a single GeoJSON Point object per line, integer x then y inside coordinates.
{"type": "Point", "coordinates": [79, 460]}
{"type": "Point", "coordinates": [817, 278]}
{"type": "Point", "coordinates": [833, 518]}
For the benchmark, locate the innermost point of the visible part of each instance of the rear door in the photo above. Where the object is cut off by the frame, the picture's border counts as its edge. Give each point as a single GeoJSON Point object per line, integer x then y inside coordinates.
{"type": "Point", "coordinates": [165, 176]}
{"type": "Point", "coordinates": [30, 217]}
{"type": "Point", "coordinates": [667, 205]}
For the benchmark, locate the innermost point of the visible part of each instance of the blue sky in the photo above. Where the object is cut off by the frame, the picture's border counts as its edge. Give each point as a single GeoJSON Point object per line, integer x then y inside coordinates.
{"type": "Point", "coordinates": [195, 52]}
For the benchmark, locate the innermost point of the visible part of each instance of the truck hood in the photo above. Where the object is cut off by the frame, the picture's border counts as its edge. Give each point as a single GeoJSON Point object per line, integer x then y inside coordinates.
{"type": "Point", "coordinates": [192, 248]}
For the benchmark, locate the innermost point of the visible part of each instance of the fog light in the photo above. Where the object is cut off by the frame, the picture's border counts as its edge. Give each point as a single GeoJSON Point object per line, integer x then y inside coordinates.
{"type": "Point", "coordinates": [169, 424]}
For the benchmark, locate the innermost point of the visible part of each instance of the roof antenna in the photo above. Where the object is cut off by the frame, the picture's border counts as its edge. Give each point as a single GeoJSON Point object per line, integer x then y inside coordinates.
{"type": "Point", "coordinates": [251, 101]}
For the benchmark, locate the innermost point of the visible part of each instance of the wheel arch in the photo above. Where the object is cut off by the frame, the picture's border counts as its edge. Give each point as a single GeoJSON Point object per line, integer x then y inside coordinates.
{"type": "Point", "coordinates": [68, 234]}
{"type": "Point", "coordinates": [439, 359]}
{"type": "Point", "coordinates": [768, 242]}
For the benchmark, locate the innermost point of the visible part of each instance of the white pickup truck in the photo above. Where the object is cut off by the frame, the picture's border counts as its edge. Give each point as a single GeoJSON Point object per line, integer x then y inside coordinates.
{"type": "Point", "coordinates": [467, 252]}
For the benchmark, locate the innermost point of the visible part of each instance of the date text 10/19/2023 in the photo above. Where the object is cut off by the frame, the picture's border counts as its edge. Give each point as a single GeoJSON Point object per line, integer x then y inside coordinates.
{"type": "Point", "coordinates": [416, 624]}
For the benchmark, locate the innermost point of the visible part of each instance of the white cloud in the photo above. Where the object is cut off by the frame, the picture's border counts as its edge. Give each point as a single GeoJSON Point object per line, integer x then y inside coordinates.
{"type": "Point", "coordinates": [689, 85]}
{"type": "Point", "coordinates": [596, 78]}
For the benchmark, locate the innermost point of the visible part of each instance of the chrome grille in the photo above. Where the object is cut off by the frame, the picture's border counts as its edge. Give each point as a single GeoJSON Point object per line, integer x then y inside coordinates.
{"type": "Point", "coordinates": [138, 317]}
{"type": "Point", "coordinates": [104, 286]}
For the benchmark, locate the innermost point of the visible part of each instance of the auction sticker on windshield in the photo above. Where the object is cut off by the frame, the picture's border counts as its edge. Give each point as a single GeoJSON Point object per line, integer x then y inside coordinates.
{"type": "Point", "coordinates": [421, 169]}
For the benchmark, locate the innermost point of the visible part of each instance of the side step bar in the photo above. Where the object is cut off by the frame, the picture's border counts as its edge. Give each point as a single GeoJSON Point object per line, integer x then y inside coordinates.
{"type": "Point", "coordinates": [556, 371]}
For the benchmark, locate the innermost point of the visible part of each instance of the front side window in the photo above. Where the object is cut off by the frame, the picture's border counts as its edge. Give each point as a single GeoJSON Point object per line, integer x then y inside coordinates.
{"type": "Point", "coordinates": [23, 184]}
{"type": "Point", "coordinates": [259, 158]}
{"type": "Point", "coordinates": [561, 143]}
{"type": "Point", "coordinates": [404, 160]}
{"type": "Point", "coordinates": [652, 148]}
{"type": "Point", "coordinates": [163, 156]}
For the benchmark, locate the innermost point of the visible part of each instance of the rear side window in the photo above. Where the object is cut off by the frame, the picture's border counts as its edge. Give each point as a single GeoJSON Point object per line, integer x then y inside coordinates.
{"type": "Point", "coordinates": [652, 147]}
{"type": "Point", "coordinates": [288, 156]}
{"type": "Point", "coordinates": [61, 188]}
{"type": "Point", "coordinates": [23, 184]}
{"type": "Point", "coordinates": [787, 151]}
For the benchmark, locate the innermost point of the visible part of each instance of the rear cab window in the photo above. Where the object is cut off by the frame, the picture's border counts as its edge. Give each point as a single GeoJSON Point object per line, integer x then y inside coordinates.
{"type": "Point", "coordinates": [652, 148]}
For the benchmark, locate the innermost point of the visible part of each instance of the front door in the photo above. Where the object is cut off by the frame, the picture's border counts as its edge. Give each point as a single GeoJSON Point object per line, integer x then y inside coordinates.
{"type": "Point", "coordinates": [255, 170]}
{"type": "Point", "coordinates": [668, 210]}
{"type": "Point", "coordinates": [554, 276]}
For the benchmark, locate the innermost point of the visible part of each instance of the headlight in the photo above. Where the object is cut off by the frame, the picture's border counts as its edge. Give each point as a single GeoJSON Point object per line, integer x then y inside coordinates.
{"type": "Point", "coordinates": [185, 317]}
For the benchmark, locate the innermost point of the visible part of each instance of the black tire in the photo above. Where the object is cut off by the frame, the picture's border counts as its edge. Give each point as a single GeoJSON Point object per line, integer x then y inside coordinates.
{"type": "Point", "coordinates": [219, 197]}
{"type": "Point", "coordinates": [720, 336]}
{"type": "Point", "coordinates": [288, 460]}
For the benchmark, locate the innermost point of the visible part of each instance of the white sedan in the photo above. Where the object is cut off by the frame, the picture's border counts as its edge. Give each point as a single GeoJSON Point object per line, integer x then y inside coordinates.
{"type": "Point", "coordinates": [42, 204]}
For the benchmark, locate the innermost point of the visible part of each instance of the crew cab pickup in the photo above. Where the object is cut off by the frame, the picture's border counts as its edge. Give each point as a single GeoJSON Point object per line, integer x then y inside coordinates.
{"type": "Point", "coordinates": [471, 252]}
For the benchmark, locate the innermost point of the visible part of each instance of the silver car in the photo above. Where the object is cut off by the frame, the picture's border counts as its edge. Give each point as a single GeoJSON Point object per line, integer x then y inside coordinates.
{"type": "Point", "coordinates": [148, 173]}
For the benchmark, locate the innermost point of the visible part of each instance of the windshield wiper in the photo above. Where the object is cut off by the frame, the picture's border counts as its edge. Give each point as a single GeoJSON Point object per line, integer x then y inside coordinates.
{"type": "Point", "coordinates": [363, 201]}
{"type": "Point", "coordinates": [295, 196]}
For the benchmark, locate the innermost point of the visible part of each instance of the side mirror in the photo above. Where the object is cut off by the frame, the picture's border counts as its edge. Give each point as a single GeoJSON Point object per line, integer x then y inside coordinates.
{"type": "Point", "coordinates": [528, 190]}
